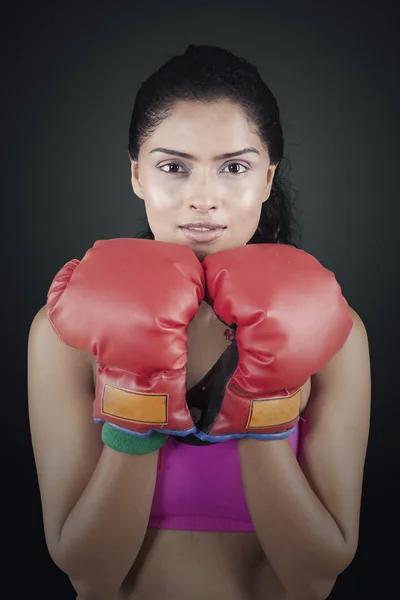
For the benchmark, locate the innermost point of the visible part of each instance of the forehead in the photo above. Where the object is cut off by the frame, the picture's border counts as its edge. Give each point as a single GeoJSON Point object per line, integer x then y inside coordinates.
{"type": "Point", "coordinates": [212, 127]}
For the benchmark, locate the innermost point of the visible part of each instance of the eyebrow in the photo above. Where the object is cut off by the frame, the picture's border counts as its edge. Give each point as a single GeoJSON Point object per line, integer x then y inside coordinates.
{"type": "Point", "coordinates": [191, 157]}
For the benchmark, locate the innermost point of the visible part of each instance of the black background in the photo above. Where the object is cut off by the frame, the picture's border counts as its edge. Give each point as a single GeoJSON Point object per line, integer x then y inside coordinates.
{"type": "Point", "coordinates": [70, 76]}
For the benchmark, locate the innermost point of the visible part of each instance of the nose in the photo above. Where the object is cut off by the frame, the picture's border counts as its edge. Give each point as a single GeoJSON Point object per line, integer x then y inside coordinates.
{"type": "Point", "coordinates": [204, 197]}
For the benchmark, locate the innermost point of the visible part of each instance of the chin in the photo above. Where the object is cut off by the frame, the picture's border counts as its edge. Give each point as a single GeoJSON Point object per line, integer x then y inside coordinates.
{"type": "Point", "coordinates": [202, 252]}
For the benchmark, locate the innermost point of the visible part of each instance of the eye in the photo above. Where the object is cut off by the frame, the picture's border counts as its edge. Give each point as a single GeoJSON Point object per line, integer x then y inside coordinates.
{"type": "Point", "coordinates": [236, 164]}
{"type": "Point", "coordinates": [174, 168]}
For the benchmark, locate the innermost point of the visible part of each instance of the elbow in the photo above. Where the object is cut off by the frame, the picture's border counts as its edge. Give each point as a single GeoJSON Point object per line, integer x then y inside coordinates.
{"type": "Point", "coordinates": [88, 586]}
{"type": "Point", "coordinates": [54, 549]}
{"type": "Point", "coordinates": [58, 555]}
{"type": "Point", "coordinates": [314, 591]}
{"type": "Point", "coordinates": [86, 591]}
{"type": "Point", "coordinates": [320, 587]}
{"type": "Point", "coordinates": [311, 591]}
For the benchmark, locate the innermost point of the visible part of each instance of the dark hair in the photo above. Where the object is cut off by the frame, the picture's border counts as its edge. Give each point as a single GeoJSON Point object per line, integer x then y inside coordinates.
{"type": "Point", "coordinates": [206, 74]}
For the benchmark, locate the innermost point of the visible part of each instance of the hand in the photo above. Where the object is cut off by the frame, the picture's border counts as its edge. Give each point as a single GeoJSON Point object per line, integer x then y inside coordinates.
{"type": "Point", "coordinates": [129, 302]}
{"type": "Point", "coordinates": [289, 319]}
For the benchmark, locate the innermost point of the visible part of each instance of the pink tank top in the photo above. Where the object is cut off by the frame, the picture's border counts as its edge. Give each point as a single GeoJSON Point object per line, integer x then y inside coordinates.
{"type": "Point", "coordinates": [200, 487]}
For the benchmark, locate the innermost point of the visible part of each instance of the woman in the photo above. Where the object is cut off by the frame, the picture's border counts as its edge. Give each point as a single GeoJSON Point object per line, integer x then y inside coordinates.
{"type": "Point", "coordinates": [244, 519]}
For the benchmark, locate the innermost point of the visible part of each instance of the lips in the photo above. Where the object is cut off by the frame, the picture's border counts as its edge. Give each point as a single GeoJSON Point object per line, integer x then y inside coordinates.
{"type": "Point", "coordinates": [202, 232]}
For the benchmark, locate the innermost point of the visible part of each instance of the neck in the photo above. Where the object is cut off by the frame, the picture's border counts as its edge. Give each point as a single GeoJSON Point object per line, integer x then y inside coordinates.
{"type": "Point", "coordinates": [206, 312]}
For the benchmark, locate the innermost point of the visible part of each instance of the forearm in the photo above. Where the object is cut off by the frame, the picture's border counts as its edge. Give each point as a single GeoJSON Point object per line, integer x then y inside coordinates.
{"type": "Point", "coordinates": [102, 536]}
{"type": "Point", "coordinates": [301, 540]}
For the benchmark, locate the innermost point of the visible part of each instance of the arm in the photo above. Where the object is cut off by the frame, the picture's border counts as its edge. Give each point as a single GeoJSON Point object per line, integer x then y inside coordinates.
{"type": "Point", "coordinates": [95, 501]}
{"type": "Point", "coordinates": [306, 514]}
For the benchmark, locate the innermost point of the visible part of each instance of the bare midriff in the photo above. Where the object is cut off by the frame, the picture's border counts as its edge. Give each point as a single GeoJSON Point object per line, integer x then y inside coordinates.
{"type": "Point", "coordinates": [199, 565]}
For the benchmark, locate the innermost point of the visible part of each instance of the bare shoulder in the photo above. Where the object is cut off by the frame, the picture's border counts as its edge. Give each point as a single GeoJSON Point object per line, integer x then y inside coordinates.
{"type": "Point", "coordinates": [42, 331]}
{"type": "Point", "coordinates": [44, 343]}
{"type": "Point", "coordinates": [358, 325]}
{"type": "Point", "coordinates": [351, 362]}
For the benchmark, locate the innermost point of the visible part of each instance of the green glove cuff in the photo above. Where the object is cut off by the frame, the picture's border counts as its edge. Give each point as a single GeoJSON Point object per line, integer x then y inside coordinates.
{"type": "Point", "coordinates": [131, 444]}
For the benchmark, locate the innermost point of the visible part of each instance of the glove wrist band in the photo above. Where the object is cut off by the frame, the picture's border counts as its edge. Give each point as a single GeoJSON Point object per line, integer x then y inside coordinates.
{"type": "Point", "coordinates": [130, 444]}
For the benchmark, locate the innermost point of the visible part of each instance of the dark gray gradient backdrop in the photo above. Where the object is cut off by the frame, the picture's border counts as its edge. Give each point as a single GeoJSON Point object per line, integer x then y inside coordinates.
{"type": "Point", "coordinates": [71, 74]}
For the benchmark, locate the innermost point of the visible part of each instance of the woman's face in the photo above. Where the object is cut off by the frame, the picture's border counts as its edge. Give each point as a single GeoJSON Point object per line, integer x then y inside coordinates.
{"type": "Point", "coordinates": [185, 180]}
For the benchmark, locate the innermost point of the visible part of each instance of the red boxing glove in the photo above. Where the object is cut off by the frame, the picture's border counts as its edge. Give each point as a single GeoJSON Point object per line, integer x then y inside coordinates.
{"type": "Point", "coordinates": [129, 302]}
{"type": "Point", "coordinates": [290, 319]}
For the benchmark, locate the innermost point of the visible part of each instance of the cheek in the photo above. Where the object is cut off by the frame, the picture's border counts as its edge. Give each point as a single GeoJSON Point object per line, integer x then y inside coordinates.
{"type": "Point", "coordinates": [159, 191]}
{"type": "Point", "coordinates": [247, 208]}
{"type": "Point", "coordinates": [159, 202]}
